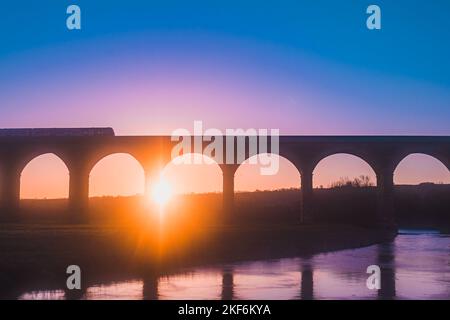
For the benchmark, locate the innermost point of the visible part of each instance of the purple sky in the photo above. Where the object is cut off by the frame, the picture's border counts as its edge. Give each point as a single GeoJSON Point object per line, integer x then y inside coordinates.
{"type": "Point", "coordinates": [304, 67]}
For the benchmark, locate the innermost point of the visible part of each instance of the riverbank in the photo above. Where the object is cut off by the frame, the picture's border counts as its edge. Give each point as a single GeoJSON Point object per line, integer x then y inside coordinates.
{"type": "Point", "coordinates": [36, 256]}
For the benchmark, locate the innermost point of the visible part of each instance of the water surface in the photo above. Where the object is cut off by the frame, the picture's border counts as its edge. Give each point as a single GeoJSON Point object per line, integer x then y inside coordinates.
{"type": "Point", "coordinates": [416, 265]}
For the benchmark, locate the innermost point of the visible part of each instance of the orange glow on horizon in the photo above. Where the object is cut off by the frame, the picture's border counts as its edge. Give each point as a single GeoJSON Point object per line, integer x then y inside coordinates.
{"type": "Point", "coordinates": [193, 178]}
{"type": "Point", "coordinates": [248, 176]}
{"type": "Point", "coordinates": [118, 174]}
{"type": "Point", "coordinates": [47, 176]}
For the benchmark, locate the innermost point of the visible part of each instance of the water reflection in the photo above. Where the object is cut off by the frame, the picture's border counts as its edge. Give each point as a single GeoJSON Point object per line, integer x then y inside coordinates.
{"type": "Point", "coordinates": [43, 295]}
{"type": "Point", "coordinates": [74, 294]}
{"type": "Point", "coordinates": [386, 262]}
{"type": "Point", "coordinates": [423, 266]}
{"type": "Point", "coordinates": [227, 284]}
{"type": "Point", "coordinates": [150, 288]}
{"type": "Point", "coordinates": [129, 290]}
{"type": "Point", "coordinates": [307, 284]}
{"type": "Point", "coordinates": [413, 266]}
{"type": "Point", "coordinates": [198, 285]}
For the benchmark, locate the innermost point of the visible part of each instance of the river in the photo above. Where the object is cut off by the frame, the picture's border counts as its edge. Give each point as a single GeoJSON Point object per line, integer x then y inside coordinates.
{"type": "Point", "coordinates": [416, 265]}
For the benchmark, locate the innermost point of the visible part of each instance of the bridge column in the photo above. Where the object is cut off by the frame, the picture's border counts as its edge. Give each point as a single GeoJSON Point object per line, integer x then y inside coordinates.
{"type": "Point", "coordinates": [10, 190]}
{"type": "Point", "coordinates": [385, 197]}
{"type": "Point", "coordinates": [79, 191]}
{"type": "Point", "coordinates": [228, 171]}
{"type": "Point", "coordinates": [306, 194]}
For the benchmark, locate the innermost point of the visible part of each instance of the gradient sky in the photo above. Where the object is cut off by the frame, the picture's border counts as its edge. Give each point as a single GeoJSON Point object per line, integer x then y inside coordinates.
{"type": "Point", "coordinates": [305, 67]}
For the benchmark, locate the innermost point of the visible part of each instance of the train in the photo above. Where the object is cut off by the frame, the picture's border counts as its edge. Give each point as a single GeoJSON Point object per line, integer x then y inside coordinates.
{"type": "Point", "coordinates": [59, 132]}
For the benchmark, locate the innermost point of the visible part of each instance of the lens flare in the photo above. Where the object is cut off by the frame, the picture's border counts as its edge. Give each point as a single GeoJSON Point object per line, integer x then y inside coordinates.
{"type": "Point", "coordinates": [161, 192]}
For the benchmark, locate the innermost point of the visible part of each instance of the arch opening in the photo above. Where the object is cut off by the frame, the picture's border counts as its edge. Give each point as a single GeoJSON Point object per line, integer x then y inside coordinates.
{"type": "Point", "coordinates": [116, 186]}
{"type": "Point", "coordinates": [249, 176]}
{"type": "Point", "coordinates": [343, 169]}
{"type": "Point", "coordinates": [193, 173]}
{"type": "Point", "coordinates": [118, 174]}
{"type": "Point", "coordinates": [45, 177]}
{"type": "Point", "coordinates": [271, 197]}
{"type": "Point", "coordinates": [422, 185]}
{"type": "Point", "coordinates": [195, 181]}
{"type": "Point", "coordinates": [345, 190]}
{"type": "Point", "coordinates": [420, 168]}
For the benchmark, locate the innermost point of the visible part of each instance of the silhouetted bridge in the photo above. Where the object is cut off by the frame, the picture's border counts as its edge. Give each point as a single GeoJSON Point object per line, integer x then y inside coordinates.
{"type": "Point", "coordinates": [80, 149]}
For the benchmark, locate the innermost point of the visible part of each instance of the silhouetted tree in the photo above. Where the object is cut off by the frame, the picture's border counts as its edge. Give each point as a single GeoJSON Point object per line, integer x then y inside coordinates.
{"type": "Point", "coordinates": [359, 182]}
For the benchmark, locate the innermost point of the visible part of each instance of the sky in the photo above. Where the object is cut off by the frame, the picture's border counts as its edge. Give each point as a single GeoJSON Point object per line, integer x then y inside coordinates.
{"type": "Point", "coordinates": [304, 67]}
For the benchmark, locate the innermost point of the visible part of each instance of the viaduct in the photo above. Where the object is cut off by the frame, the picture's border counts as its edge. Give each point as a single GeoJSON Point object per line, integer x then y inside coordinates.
{"type": "Point", "coordinates": [80, 149]}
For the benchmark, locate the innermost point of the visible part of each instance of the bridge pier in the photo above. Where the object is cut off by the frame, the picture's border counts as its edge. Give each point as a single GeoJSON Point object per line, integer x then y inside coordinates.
{"type": "Point", "coordinates": [79, 192]}
{"type": "Point", "coordinates": [228, 171]}
{"type": "Point", "coordinates": [306, 195]}
{"type": "Point", "coordinates": [10, 190]}
{"type": "Point", "coordinates": [385, 198]}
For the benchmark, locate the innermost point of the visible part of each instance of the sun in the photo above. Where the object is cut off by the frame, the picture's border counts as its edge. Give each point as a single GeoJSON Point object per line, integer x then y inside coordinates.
{"type": "Point", "coordinates": [161, 192]}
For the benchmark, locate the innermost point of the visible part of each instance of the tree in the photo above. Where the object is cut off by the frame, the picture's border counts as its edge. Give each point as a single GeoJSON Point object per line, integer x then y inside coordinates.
{"type": "Point", "coordinates": [359, 182]}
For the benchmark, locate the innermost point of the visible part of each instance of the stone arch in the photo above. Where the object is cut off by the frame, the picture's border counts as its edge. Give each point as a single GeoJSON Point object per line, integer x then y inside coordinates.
{"type": "Point", "coordinates": [176, 170]}
{"type": "Point", "coordinates": [352, 160]}
{"type": "Point", "coordinates": [419, 197]}
{"type": "Point", "coordinates": [290, 172]}
{"type": "Point", "coordinates": [341, 194]}
{"type": "Point", "coordinates": [112, 161]}
{"type": "Point", "coordinates": [438, 170]}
